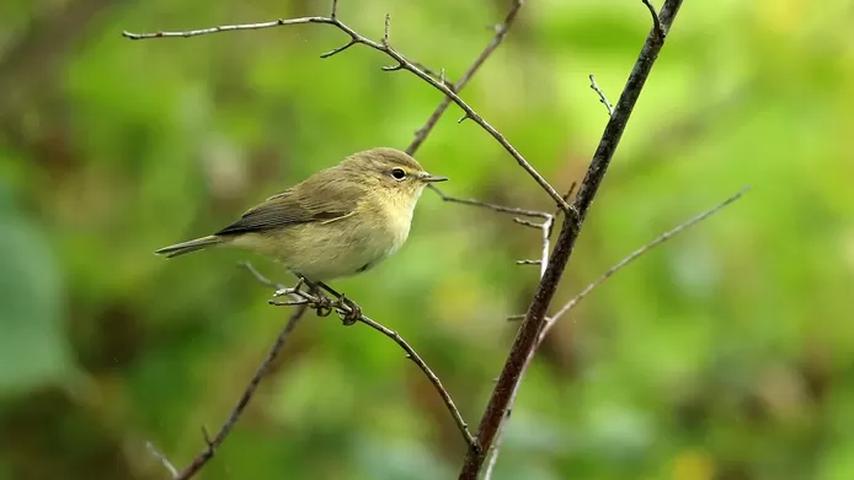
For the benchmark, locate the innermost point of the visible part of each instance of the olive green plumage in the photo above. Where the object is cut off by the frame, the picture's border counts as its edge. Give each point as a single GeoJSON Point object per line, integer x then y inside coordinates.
{"type": "Point", "coordinates": [338, 222]}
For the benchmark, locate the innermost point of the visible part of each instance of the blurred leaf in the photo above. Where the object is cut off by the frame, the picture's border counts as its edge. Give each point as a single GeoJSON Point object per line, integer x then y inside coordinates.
{"type": "Point", "coordinates": [33, 348]}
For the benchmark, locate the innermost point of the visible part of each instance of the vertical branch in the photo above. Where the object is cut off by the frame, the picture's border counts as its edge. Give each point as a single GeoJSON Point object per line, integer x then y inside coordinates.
{"type": "Point", "coordinates": [527, 337]}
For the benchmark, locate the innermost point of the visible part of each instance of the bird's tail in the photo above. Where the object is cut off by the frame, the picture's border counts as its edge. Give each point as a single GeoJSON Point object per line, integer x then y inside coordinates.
{"type": "Point", "coordinates": [189, 246]}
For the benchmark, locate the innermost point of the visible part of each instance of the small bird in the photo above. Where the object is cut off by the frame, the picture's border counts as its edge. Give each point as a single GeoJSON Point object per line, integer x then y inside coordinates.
{"type": "Point", "coordinates": [338, 222]}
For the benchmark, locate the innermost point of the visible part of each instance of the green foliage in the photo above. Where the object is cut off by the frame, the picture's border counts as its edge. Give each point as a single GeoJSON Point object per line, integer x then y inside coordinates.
{"type": "Point", "coordinates": [727, 353]}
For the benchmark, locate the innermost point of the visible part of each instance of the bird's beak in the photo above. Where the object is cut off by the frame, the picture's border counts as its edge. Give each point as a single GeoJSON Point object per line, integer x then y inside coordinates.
{"type": "Point", "coordinates": [428, 178]}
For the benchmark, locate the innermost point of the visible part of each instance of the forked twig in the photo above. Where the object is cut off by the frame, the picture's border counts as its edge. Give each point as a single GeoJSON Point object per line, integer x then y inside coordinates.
{"type": "Point", "coordinates": [346, 309]}
{"type": "Point", "coordinates": [401, 63]}
{"type": "Point", "coordinates": [550, 321]}
{"type": "Point", "coordinates": [527, 337]}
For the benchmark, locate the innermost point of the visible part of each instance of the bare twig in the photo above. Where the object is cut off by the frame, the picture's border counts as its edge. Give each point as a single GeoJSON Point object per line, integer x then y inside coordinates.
{"type": "Point", "coordinates": [418, 361]}
{"type": "Point", "coordinates": [638, 253]}
{"type": "Point", "coordinates": [211, 444]}
{"type": "Point", "coordinates": [402, 63]}
{"type": "Point", "coordinates": [527, 337]}
{"type": "Point", "coordinates": [602, 98]}
{"type": "Point", "coordinates": [491, 206]}
{"type": "Point", "coordinates": [500, 32]}
{"type": "Point", "coordinates": [421, 134]}
{"type": "Point", "coordinates": [173, 472]}
{"type": "Point", "coordinates": [550, 321]}
{"type": "Point", "coordinates": [345, 308]}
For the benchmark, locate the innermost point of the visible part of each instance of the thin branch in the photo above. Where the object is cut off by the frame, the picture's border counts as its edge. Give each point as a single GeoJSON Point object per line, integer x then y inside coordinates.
{"type": "Point", "coordinates": [628, 259]}
{"type": "Point", "coordinates": [602, 98]}
{"type": "Point", "coordinates": [211, 445]}
{"type": "Point", "coordinates": [527, 337]}
{"type": "Point", "coordinates": [403, 63]}
{"type": "Point", "coordinates": [421, 134]}
{"type": "Point", "coordinates": [418, 361]}
{"type": "Point", "coordinates": [491, 206]}
{"type": "Point", "coordinates": [347, 309]}
{"type": "Point", "coordinates": [550, 321]}
{"type": "Point", "coordinates": [173, 472]}
{"type": "Point", "coordinates": [500, 33]}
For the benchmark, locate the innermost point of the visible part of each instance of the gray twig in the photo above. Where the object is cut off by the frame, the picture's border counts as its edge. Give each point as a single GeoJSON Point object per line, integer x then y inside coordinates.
{"type": "Point", "coordinates": [173, 472]}
{"type": "Point", "coordinates": [638, 253]}
{"type": "Point", "coordinates": [383, 46]}
{"type": "Point", "coordinates": [212, 444]}
{"type": "Point", "coordinates": [345, 308]}
{"type": "Point", "coordinates": [602, 98]}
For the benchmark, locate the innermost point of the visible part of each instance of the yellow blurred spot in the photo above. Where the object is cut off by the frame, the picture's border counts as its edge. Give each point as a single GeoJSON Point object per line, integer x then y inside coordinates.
{"type": "Point", "coordinates": [693, 465]}
{"type": "Point", "coordinates": [781, 15]}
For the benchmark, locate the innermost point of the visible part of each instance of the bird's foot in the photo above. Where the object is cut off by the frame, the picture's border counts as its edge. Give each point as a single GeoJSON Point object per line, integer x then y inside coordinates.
{"type": "Point", "coordinates": [350, 312]}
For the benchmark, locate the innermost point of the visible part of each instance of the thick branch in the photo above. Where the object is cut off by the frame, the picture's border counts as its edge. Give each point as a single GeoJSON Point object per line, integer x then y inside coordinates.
{"type": "Point", "coordinates": [550, 321]}
{"type": "Point", "coordinates": [527, 337]}
{"type": "Point", "coordinates": [402, 63]}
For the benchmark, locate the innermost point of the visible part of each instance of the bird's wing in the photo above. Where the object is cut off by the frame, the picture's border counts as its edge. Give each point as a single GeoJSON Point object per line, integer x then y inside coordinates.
{"type": "Point", "coordinates": [315, 200]}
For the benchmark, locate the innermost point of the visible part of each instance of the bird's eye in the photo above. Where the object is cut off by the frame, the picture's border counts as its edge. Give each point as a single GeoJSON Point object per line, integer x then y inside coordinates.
{"type": "Point", "coordinates": [398, 174]}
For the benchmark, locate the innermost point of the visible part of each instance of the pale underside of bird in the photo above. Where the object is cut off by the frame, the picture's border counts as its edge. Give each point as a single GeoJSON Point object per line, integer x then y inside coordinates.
{"type": "Point", "coordinates": [340, 221]}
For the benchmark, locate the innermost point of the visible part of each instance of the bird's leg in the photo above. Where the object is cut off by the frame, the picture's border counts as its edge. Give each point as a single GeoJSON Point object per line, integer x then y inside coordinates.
{"type": "Point", "coordinates": [315, 296]}
{"type": "Point", "coordinates": [295, 290]}
{"type": "Point", "coordinates": [353, 311]}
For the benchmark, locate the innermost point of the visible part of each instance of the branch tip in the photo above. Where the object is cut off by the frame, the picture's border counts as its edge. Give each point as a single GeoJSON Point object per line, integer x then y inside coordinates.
{"type": "Point", "coordinates": [656, 22]}
{"type": "Point", "coordinates": [339, 49]}
{"type": "Point", "coordinates": [386, 29]}
{"type": "Point", "coordinates": [602, 98]}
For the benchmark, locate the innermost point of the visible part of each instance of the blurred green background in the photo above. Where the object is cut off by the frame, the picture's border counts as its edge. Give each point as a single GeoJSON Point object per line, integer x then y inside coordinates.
{"type": "Point", "coordinates": [727, 354]}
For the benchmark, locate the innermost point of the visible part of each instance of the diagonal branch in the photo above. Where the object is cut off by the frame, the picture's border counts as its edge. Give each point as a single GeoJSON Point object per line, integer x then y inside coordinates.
{"type": "Point", "coordinates": [550, 321]}
{"type": "Point", "coordinates": [346, 309]}
{"type": "Point", "coordinates": [213, 444]}
{"type": "Point", "coordinates": [527, 337]}
{"type": "Point", "coordinates": [500, 32]}
{"type": "Point", "coordinates": [637, 254]}
{"type": "Point", "coordinates": [208, 453]}
{"type": "Point", "coordinates": [402, 63]}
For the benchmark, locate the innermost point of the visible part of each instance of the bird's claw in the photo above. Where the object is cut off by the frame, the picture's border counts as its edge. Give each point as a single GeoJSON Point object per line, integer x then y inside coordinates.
{"type": "Point", "coordinates": [351, 314]}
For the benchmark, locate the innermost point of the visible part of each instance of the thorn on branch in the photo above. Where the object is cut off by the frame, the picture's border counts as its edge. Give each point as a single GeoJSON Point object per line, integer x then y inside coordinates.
{"type": "Point", "coordinates": [656, 22]}
{"type": "Point", "coordinates": [463, 118]}
{"type": "Point", "coordinates": [529, 262]}
{"type": "Point", "coordinates": [602, 98]}
{"type": "Point", "coordinates": [392, 68]}
{"type": "Point", "coordinates": [339, 49]}
{"type": "Point", "coordinates": [207, 438]}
